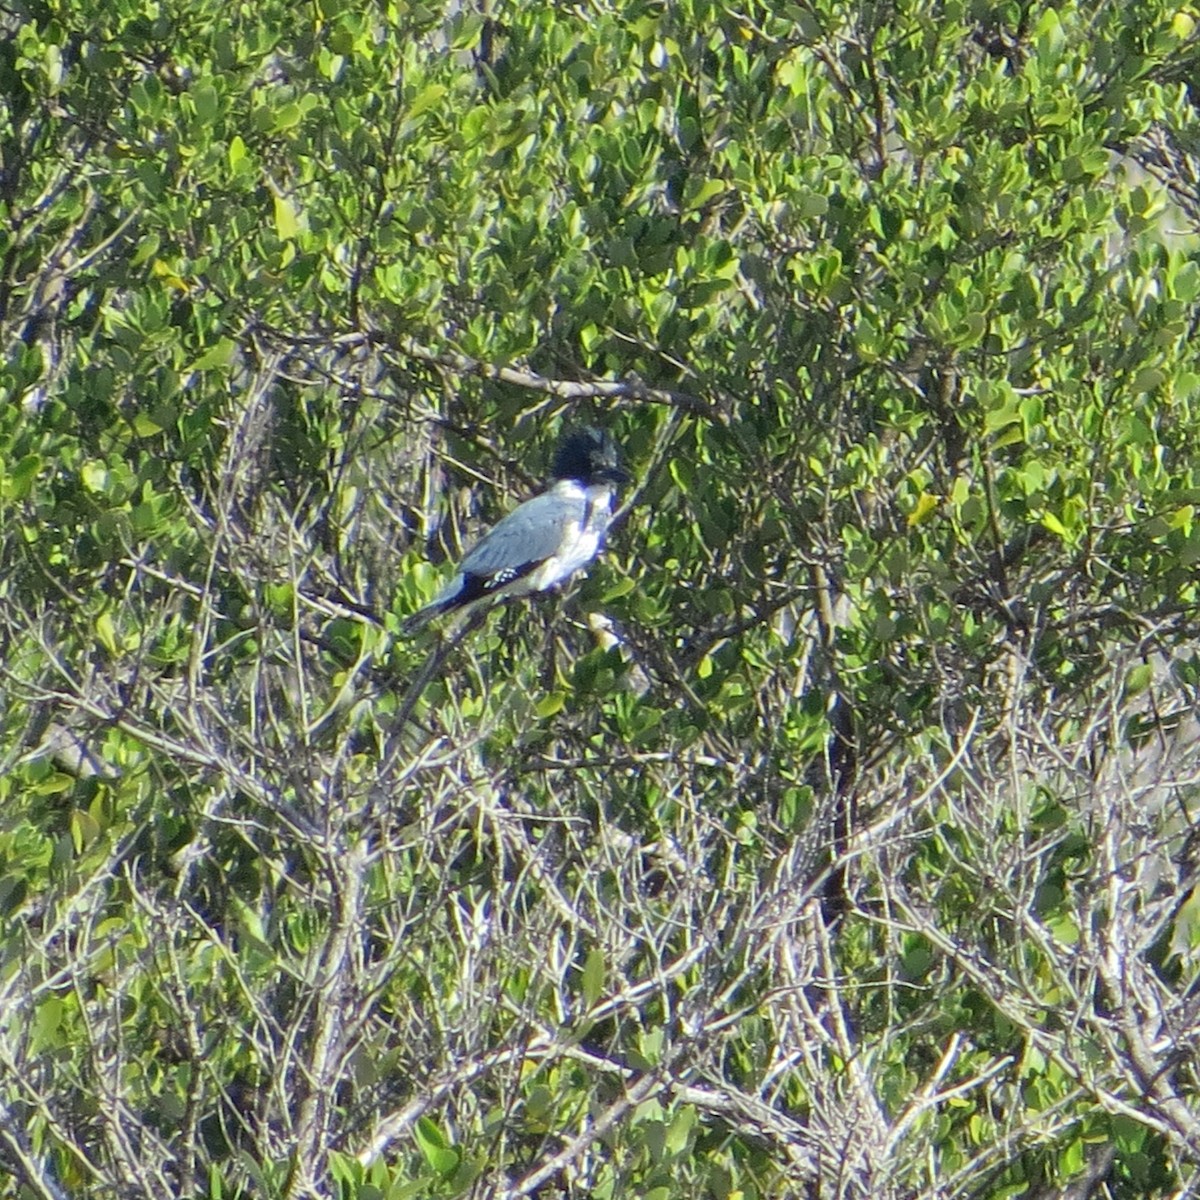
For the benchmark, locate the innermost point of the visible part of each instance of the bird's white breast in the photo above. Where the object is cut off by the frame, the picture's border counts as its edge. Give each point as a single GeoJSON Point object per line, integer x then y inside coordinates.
{"type": "Point", "coordinates": [582, 536]}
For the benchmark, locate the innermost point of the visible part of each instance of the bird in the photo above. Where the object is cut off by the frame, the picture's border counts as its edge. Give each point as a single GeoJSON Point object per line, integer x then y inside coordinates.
{"type": "Point", "coordinates": [545, 540]}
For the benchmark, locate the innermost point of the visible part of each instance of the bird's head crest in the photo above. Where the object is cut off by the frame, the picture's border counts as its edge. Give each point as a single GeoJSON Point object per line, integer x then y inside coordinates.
{"type": "Point", "coordinates": [589, 455]}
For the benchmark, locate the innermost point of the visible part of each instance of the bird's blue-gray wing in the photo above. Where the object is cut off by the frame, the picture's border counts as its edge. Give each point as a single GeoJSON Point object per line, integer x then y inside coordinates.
{"type": "Point", "coordinates": [529, 535]}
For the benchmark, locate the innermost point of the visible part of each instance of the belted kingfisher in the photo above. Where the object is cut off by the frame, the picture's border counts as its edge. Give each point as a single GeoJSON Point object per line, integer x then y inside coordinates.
{"type": "Point", "coordinates": [545, 540]}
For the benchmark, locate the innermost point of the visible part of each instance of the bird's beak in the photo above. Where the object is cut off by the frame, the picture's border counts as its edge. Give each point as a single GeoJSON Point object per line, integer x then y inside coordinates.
{"type": "Point", "coordinates": [617, 475]}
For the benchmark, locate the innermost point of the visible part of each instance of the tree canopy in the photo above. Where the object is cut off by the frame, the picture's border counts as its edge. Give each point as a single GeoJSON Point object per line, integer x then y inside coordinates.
{"type": "Point", "coordinates": [834, 836]}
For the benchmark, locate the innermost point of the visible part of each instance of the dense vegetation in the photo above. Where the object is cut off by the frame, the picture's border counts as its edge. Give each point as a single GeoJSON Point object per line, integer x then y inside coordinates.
{"type": "Point", "coordinates": [833, 837]}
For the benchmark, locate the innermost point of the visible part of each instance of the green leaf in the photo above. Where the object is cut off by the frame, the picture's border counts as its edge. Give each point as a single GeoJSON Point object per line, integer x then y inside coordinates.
{"type": "Point", "coordinates": [679, 1133]}
{"type": "Point", "coordinates": [145, 425]}
{"type": "Point", "coordinates": [650, 1044]}
{"type": "Point", "coordinates": [47, 1024]}
{"type": "Point", "coordinates": [1148, 379]}
{"type": "Point", "coordinates": [13, 891]}
{"type": "Point", "coordinates": [1138, 679]}
{"type": "Point", "coordinates": [925, 507]}
{"type": "Point", "coordinates": [1048, 35]}
{"type": "Point", "coordinates": [95, 477]}
{"type": "Point", "coordinates": [106, 632]}
{"type": "Point", "coordinates": [286, 116]}
{"type": "Point", "coordinates": [204, 97]}
{"type": "Point", "coordinates": [252, 927]}
{"type": "Point", "coordinates": [220, 354]}
{"type": "Point", "coordinates": [703, 191]}
{"type": "Point", "coordinates": [590, 336]}
{"type": "Point", "coordinates": [593, 976]}
{"type": "Point", "coordinates": [17, 482]}
{"type": "Point", "coordinates": [620, 587]}
{"type": "Point", "coordinates": [429, 97]}
{"type": "Point", "coordinates": [439, 1154]}
{"type": "Point", "coordinates": [1129, 1134]}
{"type": "Point", "coordinates": [84, 829]}
{"type": "Point", "coordinates": [287, 224]}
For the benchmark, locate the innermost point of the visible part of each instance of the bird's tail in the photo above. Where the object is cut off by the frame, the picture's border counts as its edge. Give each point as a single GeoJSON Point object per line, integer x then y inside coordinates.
{"type": "Point", "coordinates": [421, 618]}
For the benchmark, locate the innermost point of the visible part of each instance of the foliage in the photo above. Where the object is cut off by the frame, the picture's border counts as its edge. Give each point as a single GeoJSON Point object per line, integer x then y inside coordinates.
{"type": "Point", "coordinates": [833, 837]}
